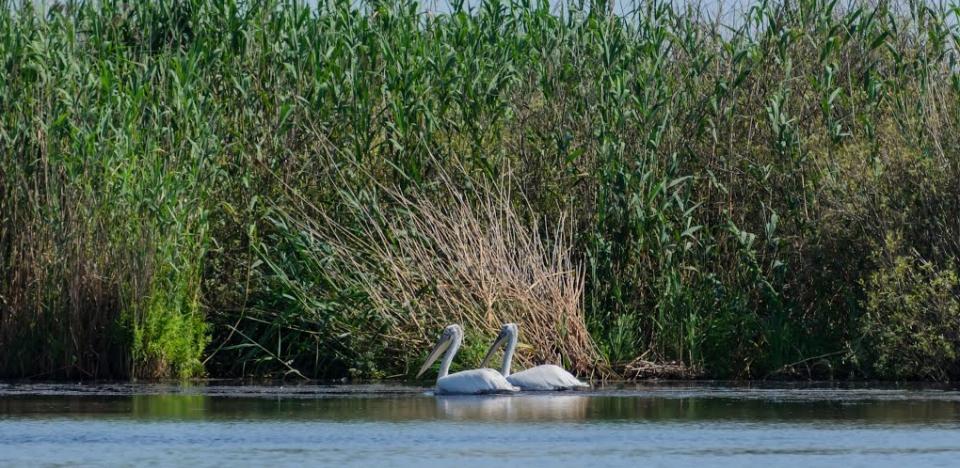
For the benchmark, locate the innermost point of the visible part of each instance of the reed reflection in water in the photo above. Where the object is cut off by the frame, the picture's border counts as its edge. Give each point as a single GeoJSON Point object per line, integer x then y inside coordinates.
{"type": "Point", "coordinates": [684, 405]}
{"type": "Point", "coordinates": [409, 427]}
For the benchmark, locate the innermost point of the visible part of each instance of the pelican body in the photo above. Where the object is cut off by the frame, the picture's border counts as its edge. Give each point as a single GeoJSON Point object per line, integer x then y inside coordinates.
{"type": "Point", "coordinates": [468, 382]}
{"type": "Point", "coordinates": [547, 377]}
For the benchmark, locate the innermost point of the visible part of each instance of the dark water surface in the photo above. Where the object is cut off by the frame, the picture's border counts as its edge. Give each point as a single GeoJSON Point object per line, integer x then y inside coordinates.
{"type": "Point", "coordinates": [390, 425]}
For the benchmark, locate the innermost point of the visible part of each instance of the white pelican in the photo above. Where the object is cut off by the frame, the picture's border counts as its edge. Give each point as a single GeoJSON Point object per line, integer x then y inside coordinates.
{"type": "Point", "coordinates": [541, 378]}
{"type": "Point", "coordinates": [468, 382]}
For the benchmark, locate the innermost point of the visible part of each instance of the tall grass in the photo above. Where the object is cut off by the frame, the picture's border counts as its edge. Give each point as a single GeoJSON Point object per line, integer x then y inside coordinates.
{"type": "Point", "coordinates": [269, 188]}
{"type": "Point", "coordinates": [106, 147]}
{"type": "Point", "coordinates": [414, 261]}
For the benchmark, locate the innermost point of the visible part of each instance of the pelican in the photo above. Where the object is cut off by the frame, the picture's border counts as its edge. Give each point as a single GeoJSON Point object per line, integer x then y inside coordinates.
{"type": "Point", "coordinates": [541, 378]}
{"type": "Point", "coordinates": [468, 382]}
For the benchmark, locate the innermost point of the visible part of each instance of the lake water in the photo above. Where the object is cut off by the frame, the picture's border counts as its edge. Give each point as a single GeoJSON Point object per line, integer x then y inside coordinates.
{"type": "Point", "coordinates": [392, 425]}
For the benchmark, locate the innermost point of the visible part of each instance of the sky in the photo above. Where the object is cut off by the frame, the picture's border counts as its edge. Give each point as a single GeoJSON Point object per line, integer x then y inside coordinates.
{"type": "Point", "coordinates": [620, 6]}
{"type": "Point", "coordinates": [727, 9]}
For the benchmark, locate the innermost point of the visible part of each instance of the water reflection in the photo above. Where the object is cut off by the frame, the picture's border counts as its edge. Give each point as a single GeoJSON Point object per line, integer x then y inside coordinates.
{"type": "Point", "coordinates": [677, 425]}
{"type": "Point", "coordinates": [634, 404]}
{"type": "Point", "coordinates": [493, 409]}
{"type": "Point", "coordinates": [514, 408]}
{"type": "Point", "coordinates": [169, 406]}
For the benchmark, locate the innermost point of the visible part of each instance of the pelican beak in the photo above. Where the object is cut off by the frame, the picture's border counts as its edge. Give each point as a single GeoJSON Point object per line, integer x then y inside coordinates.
{"type": "Point", "coordinates": [437, 350]}
{"type": "Point", "coordinates": [501, 338]}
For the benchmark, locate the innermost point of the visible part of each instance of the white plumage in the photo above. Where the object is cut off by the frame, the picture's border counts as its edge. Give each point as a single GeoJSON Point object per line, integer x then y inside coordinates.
{"type": "Point", "coordinates": [547, 377]}
{"type": "Point", "coordinates": [468, 382]}
{"type": "Point", "coordinates": [544, 378]}
{"type": "Point", "coordinates": [474, 381]}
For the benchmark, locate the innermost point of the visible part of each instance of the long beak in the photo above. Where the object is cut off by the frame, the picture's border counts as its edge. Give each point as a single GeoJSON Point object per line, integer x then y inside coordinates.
{"type": "Point", "coordinates": [501, 338]}
{"type": "Point", "coordinates": [437, 350]}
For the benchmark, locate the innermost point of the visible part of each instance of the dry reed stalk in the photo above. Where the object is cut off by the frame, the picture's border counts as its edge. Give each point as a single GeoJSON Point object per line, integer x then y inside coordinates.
{"type": "Point", "coordinates": [427, 260]}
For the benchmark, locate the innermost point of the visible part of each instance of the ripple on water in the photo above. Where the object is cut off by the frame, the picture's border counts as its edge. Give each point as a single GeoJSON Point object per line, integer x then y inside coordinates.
{"type": "Point", "coordinates": [663, 424]}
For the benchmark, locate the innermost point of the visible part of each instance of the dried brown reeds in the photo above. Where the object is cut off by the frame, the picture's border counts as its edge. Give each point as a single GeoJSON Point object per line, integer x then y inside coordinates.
{"type": "Point", "coordinates": [427, 258]}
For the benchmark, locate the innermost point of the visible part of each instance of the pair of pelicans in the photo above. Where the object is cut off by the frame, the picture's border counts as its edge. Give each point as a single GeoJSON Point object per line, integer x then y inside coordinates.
{"type": "Point", "coordinates": [478, 381]}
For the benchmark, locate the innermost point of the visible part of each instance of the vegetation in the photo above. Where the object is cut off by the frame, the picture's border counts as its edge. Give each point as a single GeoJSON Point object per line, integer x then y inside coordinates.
{"type": "Point", "coordinates": [912, 310]}
{"type": "Point", "coordinates": [270, 188]}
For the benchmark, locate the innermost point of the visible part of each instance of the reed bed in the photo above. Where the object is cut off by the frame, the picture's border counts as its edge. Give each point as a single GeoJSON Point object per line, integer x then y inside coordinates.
{"type": "Point", "coordinates": [271, 188]}
{"type": "Point", "coordinates": [424, 259]}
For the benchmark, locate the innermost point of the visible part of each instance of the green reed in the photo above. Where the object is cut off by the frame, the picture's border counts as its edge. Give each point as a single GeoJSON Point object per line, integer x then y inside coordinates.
{"type": "Point", "coordinates": [731, 186]}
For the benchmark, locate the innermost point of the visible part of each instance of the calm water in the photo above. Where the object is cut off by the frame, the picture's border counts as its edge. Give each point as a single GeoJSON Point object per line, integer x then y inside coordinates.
{"type": "Point", "coordinates": [652, 425]}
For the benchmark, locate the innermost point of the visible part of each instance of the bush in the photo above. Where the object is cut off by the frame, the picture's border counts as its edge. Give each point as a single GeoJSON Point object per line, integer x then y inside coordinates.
{"type": "Point", "coordinates": [911, 326]}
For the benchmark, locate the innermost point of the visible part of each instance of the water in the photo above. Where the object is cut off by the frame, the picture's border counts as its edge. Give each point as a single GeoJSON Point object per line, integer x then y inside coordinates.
{"type": "Point", "coordinates": [653, 425]}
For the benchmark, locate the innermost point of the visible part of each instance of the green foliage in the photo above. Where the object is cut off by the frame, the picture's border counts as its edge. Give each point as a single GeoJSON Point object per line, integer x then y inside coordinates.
{"type": "Point", "coordinates": [911, 328]}
{"type": "Point", "coordinates": [305, 316]}
{"type": "Point", "coordinates": [106, 179]}
{"type": "Point", "coordinates": [724, 184]}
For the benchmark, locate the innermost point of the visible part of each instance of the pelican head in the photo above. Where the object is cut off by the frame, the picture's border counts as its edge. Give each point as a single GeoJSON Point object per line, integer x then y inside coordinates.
{"type": "Point", "coordinates": [452, 334]}
{"type": "Point", "coordinates": [507, 336]}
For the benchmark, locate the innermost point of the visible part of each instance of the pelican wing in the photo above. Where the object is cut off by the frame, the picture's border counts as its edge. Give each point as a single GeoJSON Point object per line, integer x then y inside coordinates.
{"type": "Point", "coordinates": [475, 381]}
{"type": "Point", "coordinates": [544, 378]}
